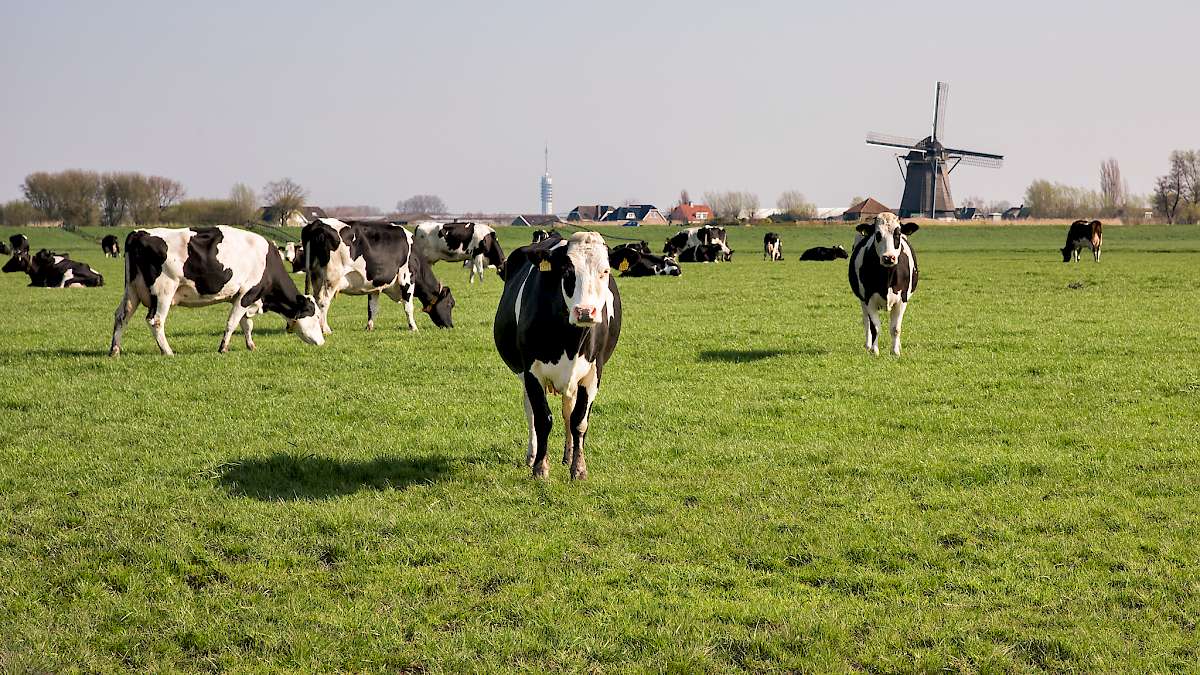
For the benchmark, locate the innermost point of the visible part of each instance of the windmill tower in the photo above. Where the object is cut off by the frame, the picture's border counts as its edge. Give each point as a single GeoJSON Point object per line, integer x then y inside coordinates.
{"type": "Point", "coordinates": [547, 186]}
{"type": "Point", "coordinates": [928, 163]}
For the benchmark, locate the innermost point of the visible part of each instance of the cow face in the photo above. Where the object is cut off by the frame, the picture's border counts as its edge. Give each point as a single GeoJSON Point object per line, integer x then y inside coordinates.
{"type": "Point", "coordinates": [886, 232]}
{"type": "Point", "coordinates": [20, 262]}
{"type": "Point", "coordinates": [670, 267]}
{"type": "Point", "coordinates": [306, 323]}
{"type": "Point", "coordinates": [441, 308]}
{"type": "Point", "coordinates": [581, 268]}
{"type": "Point", "coordinates": [1068, 252]}
{"type": "Point", "coordinates": [839, 252]}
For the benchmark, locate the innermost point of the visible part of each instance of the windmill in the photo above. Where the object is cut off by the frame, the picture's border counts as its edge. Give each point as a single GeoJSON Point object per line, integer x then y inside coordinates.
{"type": "Point", "coordinates": [929, 163]}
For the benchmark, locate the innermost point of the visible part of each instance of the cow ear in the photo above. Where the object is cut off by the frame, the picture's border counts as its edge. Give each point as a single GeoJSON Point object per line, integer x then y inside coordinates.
{"type": "Point", "coordinates": [443, 292]}
{"type": "Point", "coordinates": [909, 228]}
{"type": "Point", "coordinates": [864, 228]}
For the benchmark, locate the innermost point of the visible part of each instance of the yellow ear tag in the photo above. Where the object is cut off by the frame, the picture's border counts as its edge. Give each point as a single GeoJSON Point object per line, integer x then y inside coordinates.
{"type": "Point", "coordinates": [544, 266]}
{"type": "Point", "coordinates": [623, 266]}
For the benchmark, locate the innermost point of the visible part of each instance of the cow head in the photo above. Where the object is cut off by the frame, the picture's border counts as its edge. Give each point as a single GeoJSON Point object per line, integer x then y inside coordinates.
{"type": "Point", "coordinates": [19, 243]}
{"type": "Point", "coordinates": [670, 267]}
{"type": "Point", "coordinates": [839, 252]}
{"type": "Point", "coordinates": [539, 235]}
{"type": "Point", "coordinates": [305, 322]}
{"type": "Point", "coordinates": [581, 270]}
{"type": "Point", "coordinates": [441, 307]}
{"type": "Point", "coordinates": [490, 248]}
{"type": "Point", "coordinates": [319, 240]}
{"type": "Point", "coordinates": [1067, 251]}
{"type": "Point", "coordinates": [886, 233]}
{"type": "Point", "coordinates": [19, 262]}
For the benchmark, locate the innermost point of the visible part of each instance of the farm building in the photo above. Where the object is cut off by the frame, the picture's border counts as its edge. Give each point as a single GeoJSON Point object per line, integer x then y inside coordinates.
{"type": "Point", "coordinates": [642, 213]}
{"type": "Point", "coordinates": [1016, 213]}
{"type": "Point", "coordinates": [691, 213]}
{"type": "Point", "coordinates": [537, 220]}
{"type": "Point", "coordinates": [589, 212]}
{"type": "Point", "coordinates": [867, 208]}
{"type": "Point", "coordinates": [299, 218]}
{"type": "Point", "coordinates": [830, 212]}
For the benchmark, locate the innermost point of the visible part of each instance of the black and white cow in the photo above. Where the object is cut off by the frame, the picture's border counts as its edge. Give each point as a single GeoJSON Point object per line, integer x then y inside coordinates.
{"type": "Point", "coordinates": [1083, 233]}
{"type": "Point", "coordinates": [540, 235]}
{"type": "Point", "coordinates": [109, 246]}
{"type": "Point", "coordinates": [20, 243]}
{"type": "Point", "coordinates": [883, 275]}
{"type": "Point", "coordinates": [4, 249]}
{"type": "Point", "coordinates": [47, 269]}
{"type": "Point", "coordinates": [824, 253]}
{"type": "Point", "coordinates": [631, 262]}
{"type": "Point", "coordinates": [772, 247]}
{"type": "Point", "coordinates": [201, 266]}
{"type": "Point", "coordinates": [705, 253]}
{"type": "Point", "coordinates": [556, 326]}
{"type": "Point", "coordinates": [697, 236]}
{"type": "Point", "coordinates": [369, 258]}
{"type": "Point", "coordinates": [640, 247]}
{"type": "Point", "coordinates": [457, 241]}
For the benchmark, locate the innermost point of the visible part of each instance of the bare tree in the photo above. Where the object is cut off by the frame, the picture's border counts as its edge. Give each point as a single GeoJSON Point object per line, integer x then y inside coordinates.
{"type": "Point", "coordinates": [750, 204]}
{"type": "Point", "coordinates": [243, 203]}
{"type": "Point", "coordinates": [284, 197]}
{"type": "Point", "coordinates": [167, 192]}
{"type": "Point", "coordinates": [431, 204]}
{"type": "Point", "coordinates": [1113, 190]}
{"type": "Point", "coordinates": [793, 203]}
{"type": "Point", "coordinates": [856, 201]}
{"type": "Point", "coordinates": [361, 211]}
{"type": "Point", "coordinates": [72, 196]}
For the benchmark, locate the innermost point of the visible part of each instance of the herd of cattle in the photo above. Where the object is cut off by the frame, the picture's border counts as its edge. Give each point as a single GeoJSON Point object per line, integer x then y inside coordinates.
{"type": "Point", "coordinates": [558, 319]}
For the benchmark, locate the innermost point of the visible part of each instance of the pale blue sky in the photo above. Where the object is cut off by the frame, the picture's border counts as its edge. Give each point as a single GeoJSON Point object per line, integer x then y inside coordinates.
{"type": "Point", "coordinates": [367, 103]}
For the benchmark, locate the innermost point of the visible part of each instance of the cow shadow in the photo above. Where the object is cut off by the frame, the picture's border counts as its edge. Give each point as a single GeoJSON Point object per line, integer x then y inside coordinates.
{"type": "Point", "coordinates": [751, 355]}
{"type": "Point", "coordinates": [292, 477]}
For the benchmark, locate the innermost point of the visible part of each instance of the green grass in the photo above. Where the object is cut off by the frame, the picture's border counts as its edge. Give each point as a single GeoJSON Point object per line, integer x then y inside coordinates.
{"type": "Point", "coordinates": [1018, 492]}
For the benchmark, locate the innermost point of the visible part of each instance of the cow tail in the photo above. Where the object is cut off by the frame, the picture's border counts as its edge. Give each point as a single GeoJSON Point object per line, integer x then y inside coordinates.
{"type": "Point", "coordinates": [307, 268]}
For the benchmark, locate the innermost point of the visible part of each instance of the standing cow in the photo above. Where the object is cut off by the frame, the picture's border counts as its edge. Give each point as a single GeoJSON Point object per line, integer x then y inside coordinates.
{"type": "Point", "coordinates": [369, 258]}
{"type": "Point", "coordinates": [47, 269]}
{"type": "Point", "coordinates": [109, 246]}
{"type": "Point", "coordinates": [457, 241]}
{"type": "Point", "coordinates": [883, 275]}
{"type": "Point", "coordinates": [556, 326]}
{"type": "Point", "coordinates": [200, 266]}
{"type": "Point", "coordinates": [1083, 233]}
{"type": "Point", "coordinates": [772, 247]}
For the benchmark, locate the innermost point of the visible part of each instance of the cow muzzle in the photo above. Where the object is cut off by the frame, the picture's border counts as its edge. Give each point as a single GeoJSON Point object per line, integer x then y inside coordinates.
{"type": "Point", "coordinates": [585, 315]}
{"type": "Point", "coordinates": [887, 260]}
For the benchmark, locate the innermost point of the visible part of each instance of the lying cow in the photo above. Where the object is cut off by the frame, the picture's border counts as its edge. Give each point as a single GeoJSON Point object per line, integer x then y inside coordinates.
{"type": "Point", "coordinates": [772, 247]}
{"type": "Point", "coordinates": [883, 275]}
{"type": "Point", "coordinates": [20, 243]}
{"type": "Point", "coordinates": [696, 236]}
{"type": "Point", "coordinates": [4, 249]}
{"type": "Point", "coordinates": [109, 246]}
{"type": "Point", "coordinates": [1083, 233]}
{"type": "Point", "coordinates": [200, 266]}
{"type": "Point", "coordinates": [457, 241]}
{"type": "Point", "coordinates": [540, 235]}
{"type": "Point", "coordinates": [47, 269]}
{"type": "Point", "coordinates": [640, 247]}
{"type": "Point", "coordinates": [824, 253]}
{"type": "Point", "coordinates": [704, 253]}
{"type": "Point", "coordinates": [556, 326]}
{"type": "Point", "coordinates": [369, 258]}
{"type": "Point", "coordinates": [631, 262]}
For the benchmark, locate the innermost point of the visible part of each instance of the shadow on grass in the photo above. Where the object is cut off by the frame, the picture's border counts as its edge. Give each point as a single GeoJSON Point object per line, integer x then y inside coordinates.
{"type": "Point", "coordinates": [289, 477]}
{"type": "Point", "coordinates": [750, 355]}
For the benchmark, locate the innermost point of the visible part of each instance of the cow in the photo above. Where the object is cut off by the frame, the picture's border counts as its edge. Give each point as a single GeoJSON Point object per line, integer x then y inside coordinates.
{"type": "Point", "coordinates": [47, 269]}
{"type": "Point", "coordinates": [540, 235]}
{"type": "Point", "coordinates": [772, 247]}
{"type": "Point", "coordinates": [298, 259]}
{"type": "Point", "coordinates": [288, 251]}
{"type": "Point", "coordinates": [556, 326]}
{"type": "Point", "coordinates": [695, 236]}
{"type": "Point", "coordinates": [640, 247]}
{"type": "Point", "coordinates": [369, 258]}
{"type": "Point", "coordinates": [4, 249]}
{"type": "Point", "coordinates": [1083, 233]}
{"type": "Point", "coordinates": [457, 241]}
{"type": "Point", "coordinates": [824, 253]}
{"type": "Point", "coordinates": [705, 253]}
{"type": "Point", "coordinates": [109, 246]}
{"type": "Point", "coordinates": [883, 275]}
{"type": "Point", "coordinates": [200, 266]}
{"type": "Point", "coordinates": [631, 262]}
{"type": "Point", "coordinates": [20, 243]}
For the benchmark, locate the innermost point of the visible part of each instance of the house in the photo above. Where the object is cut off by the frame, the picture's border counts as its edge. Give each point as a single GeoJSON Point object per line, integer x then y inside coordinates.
{"type": "Point", "coordinates": [298, 218]}
{"type": "Point", "coordinates": [830, 212]}
{"type": "Point", "coordinates": [867, 208]}
{"type": "Point", "coordinates": [537, 220]}
{"type": "Point", "coordinates": [589, 212]}
{"type": "Point", "coordinates": [640, 213]}
{"type": "Point", "coordinates": [691, 213]}
{"type": "Point", "coordinates": [1016, 213]}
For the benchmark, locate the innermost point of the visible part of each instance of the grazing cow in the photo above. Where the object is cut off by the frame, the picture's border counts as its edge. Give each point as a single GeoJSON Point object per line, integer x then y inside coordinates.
{"type": "Point", "coordinates": [824, 253]}
{"type": "Point", "coordinates": [1083, 233]}
{"type": "Point", "coordinates": [539, 235]}
{"type": "Point", "coordinates": [556, 326]}
{"type": "Point", "coordinates": [47, 269]}
{"type": "Point", "coordinates": [695, 236]}
{"type": "Point", "coordinates": [369, 258]}
{"type": "Point", "coordinates": [772, 247]}
{"type": "Point", "coordinates": [110, 246]}
{"type": "Point", "coordinates": [20, 243]}
{"type": "Point", "coordinates": [705, 253]}
{"type": "Point", "coordinates": [200, 266]}
{"type": "Point", "coordinates": [883, 274]}
{"type": "Point", "coordinates": [457, 241]}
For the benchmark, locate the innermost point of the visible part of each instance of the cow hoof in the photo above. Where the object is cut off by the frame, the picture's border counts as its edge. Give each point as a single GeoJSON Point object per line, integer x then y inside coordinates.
{"type": "Point", "coordinates": [115, 351]}
{"type": "Point", "coordinates": [370, 325]}
{"type": "Point", "coordinates": [541, 471]}
{"type": "Point", "coordinates": [581, 474]}
{"type": "Point", "coordinates": [250, 346]}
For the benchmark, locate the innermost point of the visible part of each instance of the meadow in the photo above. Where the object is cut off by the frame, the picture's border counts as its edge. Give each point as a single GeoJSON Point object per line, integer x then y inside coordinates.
{"type": "Point", "coordinates": [1017, 492]}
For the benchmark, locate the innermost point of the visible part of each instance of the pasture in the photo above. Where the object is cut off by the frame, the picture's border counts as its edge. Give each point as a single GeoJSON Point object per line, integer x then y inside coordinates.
{"type": "Point", "coordinates": [1019, 491]}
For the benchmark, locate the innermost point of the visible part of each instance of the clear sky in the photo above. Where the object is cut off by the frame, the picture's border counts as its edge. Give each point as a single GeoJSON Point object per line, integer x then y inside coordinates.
{"type": "Point", "coordinates": [368, 103]}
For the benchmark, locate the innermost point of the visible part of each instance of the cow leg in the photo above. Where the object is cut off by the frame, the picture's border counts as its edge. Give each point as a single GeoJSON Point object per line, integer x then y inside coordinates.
{"type": "Point", "coordinates": [871, 326]}
{"type": "Point", "coordinates": [158, 322]}
{"type": "Point", "coordinates": [585, 396]}
{"type": "Point", "coordinates": [476, 269]}
{"type": "Point", "coordinates": [568, 406]}
{"type": "Point", "coordinates": [408, 308]}
{"type": "Point", "coordinates": [372, 309]}
{"type": "Point", "coordinates": [531, 450]}
{"type": "Point", "coordinates": [248, 324]}
{"type": "Point", "coordinates": [1096, 252]}
{"type": "Point", "coordinates": [129, 305]}
{"type": "Point", "coordinates": [895, 319]}
{"type": "Point", "coordinates": [542, 423]}
{"type": "Point", "coordinates": [235, 317]}
{"type": "Point", "coordinates": [324, 297]}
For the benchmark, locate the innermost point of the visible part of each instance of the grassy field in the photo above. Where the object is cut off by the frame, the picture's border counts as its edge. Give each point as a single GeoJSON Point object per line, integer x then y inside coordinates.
{"type": "Point", "coordinates": [1018, 492]}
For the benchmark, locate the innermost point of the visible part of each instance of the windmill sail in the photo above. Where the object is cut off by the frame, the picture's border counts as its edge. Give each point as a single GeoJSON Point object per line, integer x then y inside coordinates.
{"type": "Point", "coordinates": [939, 112]}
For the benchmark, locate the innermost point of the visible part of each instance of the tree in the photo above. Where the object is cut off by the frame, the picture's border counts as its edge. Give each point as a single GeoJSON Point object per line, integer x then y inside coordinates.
{"type": "Point", "coordinates": [1114, 190]}
{"type": "Point", "coordinates": [360, 211]}
{"type": "Point", "coordinates": [19, 213]}
{"type": "Point", "coordinates": [1055, 200]}
{"type": "Point", "coordinates": [72, 196]}
{"type": "Point", "coordinates": [431, 204]}
{"type": "Point", "coordinates": [284, 197]}
{"type": "Point", "coordinates": [793, 203]}
{"type": "Point", "coordinates": [684, 197]}
{"type": "Point", "coordinates": [243, 203]}
{"type": "Point", "coordinates": [166, 192]}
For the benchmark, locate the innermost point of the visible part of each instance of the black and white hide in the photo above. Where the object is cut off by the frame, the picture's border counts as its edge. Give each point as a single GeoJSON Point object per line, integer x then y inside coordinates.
{"type": "Point", "coordinates": [697, 236]}
{"type": "Point", "coordinates": [556, 326]}
{"type": "Point", "coordinates": [109, 246]}
{"type": "Point", "coordinates": [454, 242]}
{"type": "Point", "coordinates": [705, 253]}
{"type": "Point", "coordinates": [883, 275]}
{"type": "Point", "coordinates": [20, 243]}
{"type": "Point", "coordinates": [772, 247]}
{"type": "Point", "coordinates": [201, 266]}
{"type": "Point", "coordinates": [824, 253]}
{"type": "Point", "coordinates": [47, 269]}
{"type": "Point", "coordinates": [1081, 234]}
{"type": "Point", "coordinates": [631, 262]}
